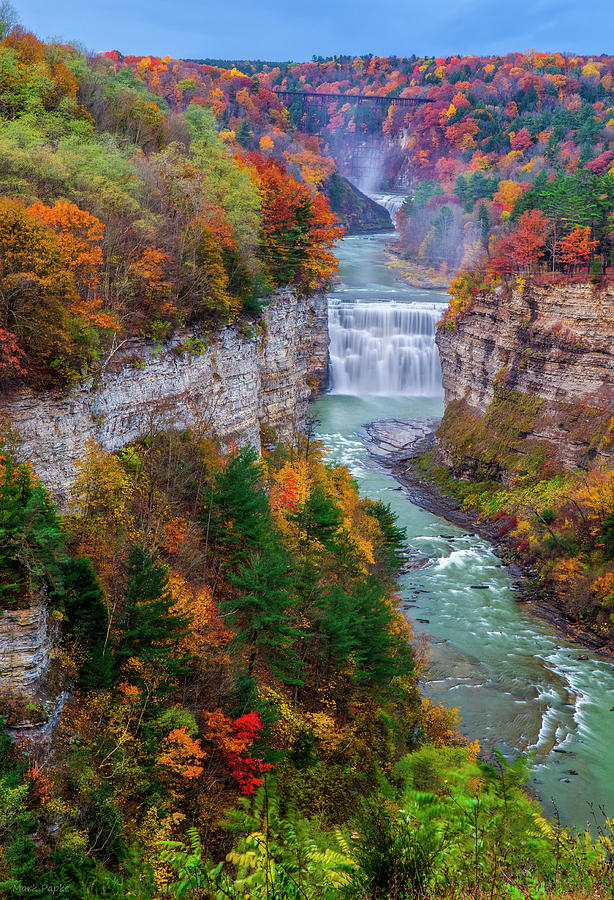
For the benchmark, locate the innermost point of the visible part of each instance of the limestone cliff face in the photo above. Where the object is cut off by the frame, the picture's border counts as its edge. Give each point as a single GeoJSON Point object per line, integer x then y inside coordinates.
{"type": "Point", "coordinates": [555, 344]}
{"type": "Point", "coordinates": [231, 384]}
{"type": "Point", "coordinates": [25, 647]}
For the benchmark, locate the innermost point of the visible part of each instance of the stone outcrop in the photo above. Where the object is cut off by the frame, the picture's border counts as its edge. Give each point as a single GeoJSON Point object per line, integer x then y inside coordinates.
{"type": "Point", "coordinates": [25, 648]}
{"type": "Point", "coordinates": [360, 214]}
{"type": "Point", "coordinates": [553, 343]}
{"type": "Point", "coordinates": [231, 383]}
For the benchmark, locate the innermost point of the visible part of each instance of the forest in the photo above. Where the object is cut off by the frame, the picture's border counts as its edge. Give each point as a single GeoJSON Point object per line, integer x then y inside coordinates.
{"type": "Point", "coordinates": [240, 709]}
{"type": "Point", "coordinates": [120, 217]}
{"type": "Point", "coordinates": [491, 127]}
{"type": "Point", "coordinates": [509, 171]}
{"type": "Point", "coordinates": [242, 715]}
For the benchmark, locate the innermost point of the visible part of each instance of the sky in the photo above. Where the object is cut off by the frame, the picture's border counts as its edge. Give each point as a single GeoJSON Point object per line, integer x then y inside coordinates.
{"type": "Point", "coordinates": [282, 30]}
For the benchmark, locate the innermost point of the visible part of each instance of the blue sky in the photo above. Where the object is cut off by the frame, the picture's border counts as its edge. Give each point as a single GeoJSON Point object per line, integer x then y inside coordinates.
{"type": "Point", "coordinates": [272, 29]}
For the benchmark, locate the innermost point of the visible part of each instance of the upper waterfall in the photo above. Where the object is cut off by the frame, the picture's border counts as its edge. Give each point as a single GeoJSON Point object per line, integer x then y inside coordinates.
{"type": "Point", "coordinates": [384, 348]}
{"type": "Point", "coordinates": [391, 202]}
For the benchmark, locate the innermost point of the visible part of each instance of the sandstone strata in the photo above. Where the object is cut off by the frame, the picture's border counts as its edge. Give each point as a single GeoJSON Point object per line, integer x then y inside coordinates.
{"type": "Point", "coordinates": [25, 647]}
{"type": "Point", "coordinates": [554, 343]}
{"type": "Point", "coordinates": [231, 383]}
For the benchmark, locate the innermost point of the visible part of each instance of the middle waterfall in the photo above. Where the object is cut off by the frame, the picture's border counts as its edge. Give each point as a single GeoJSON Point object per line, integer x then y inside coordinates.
{"type": "Point", "coordinates": [385, 348]}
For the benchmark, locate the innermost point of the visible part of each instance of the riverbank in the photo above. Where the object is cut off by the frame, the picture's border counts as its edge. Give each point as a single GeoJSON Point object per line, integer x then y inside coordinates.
{"type": "Point", "coordinates": [400, 445]}
{"type": "Point", "coordinates": [413, 274]}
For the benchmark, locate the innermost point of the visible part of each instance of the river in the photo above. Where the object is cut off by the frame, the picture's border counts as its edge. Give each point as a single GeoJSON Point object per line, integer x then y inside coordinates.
{"type": "Point", "coordinates": [519, 685]}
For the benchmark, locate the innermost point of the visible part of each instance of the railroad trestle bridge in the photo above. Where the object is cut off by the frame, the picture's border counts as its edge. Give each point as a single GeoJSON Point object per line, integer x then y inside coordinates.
{"type": "Point", "coordinates": [357, 99]}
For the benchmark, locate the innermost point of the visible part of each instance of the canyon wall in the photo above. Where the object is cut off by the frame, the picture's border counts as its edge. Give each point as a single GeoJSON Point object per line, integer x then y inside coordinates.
{"type": "Point", "coordinates": [25, 647]}
{"type": "Point", "coordinates": [553, 345]}
{"type": "Point", "coordinates": [231, 383]}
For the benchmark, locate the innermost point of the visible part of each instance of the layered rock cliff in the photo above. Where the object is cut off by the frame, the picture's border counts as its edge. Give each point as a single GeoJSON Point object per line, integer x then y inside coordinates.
{"type": "Point", "coordinates": [232, 383]}
{"type": "Point", "coordinates": [25, 648]}
{"type": "Point", "coordinates": [544, 358]}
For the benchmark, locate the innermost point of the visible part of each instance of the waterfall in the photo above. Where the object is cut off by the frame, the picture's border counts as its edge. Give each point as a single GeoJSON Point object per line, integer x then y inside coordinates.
{"type": "Point", "coordinates": [385, 348]}
{"type": "Point", "coordinates": [391, 202]}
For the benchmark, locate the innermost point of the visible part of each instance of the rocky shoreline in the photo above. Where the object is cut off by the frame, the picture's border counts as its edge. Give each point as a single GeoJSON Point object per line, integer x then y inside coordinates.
{"type": "Point", "coordinates": [411, 273]}
{"type": "Point", "coordinates": [397, 444]}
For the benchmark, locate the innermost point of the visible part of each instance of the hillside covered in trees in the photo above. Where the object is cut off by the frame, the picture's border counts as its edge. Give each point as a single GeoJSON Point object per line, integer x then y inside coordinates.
{"type": "Point", "coordinates": [491, 127]}
{"type": "Point", "coordinates": [120, 217]}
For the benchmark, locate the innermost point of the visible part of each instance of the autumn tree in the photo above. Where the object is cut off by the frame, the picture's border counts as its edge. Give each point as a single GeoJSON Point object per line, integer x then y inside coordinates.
{"type": "Point", "coordinates": [37, 295]}
{"type": "Point", "coordinates": [577, 248]}
{"type": "Point", "coordinates": [300, 230]}
{"type": "Point", "coordinates": [79, 237]}
{"type": "Point", "coordinates": [528, 241]}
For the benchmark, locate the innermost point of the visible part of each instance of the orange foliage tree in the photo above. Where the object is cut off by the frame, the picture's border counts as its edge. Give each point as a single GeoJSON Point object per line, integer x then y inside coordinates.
{"type": "Point", "coordinates": [79, 237]}
{"type": "Point", "coordinates": [529, 239]}
{"type": "Point", "coordinates": [576, 249]}
{"type": "Point", "coordinates": [37, 294]}
{"type": "Point", "coordinates": [300, 230]}
{"type": "Point", "coordinates": [181, 755]}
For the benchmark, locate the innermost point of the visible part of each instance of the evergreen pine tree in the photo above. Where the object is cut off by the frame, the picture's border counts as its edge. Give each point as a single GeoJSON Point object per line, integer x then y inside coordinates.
{"type": "Point", "coordinates": [87, 620]}
{"type": "Point", "coordinates": [150, 629]}
{"type": "Point", "coordinates": [259, 611]}
{"type": "Point", "coordinates": [31, 539]}
{"type": "Point", "coordinates": [379, 652]}
{"type": "Point", "coordinates": [337, 627]}
{"type": "Point", "coordinates": [484, 224]}
{"type": "Point", "coordinates": [244, 134]}
{"type": "Point", "coordinates": [239, 514]}
{"type": "Point", "coordinates": [318, 519]}
{"type": "Point", "coordinates": [394, 538]}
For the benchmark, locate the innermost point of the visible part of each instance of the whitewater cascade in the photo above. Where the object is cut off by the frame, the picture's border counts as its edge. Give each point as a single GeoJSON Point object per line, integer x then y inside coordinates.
{"type": "Point", "coordinates": [390, 202]}
{"type": "Point", "coordinates": [384, 348]}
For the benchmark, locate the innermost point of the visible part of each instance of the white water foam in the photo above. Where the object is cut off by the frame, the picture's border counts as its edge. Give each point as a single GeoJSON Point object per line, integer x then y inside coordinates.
{"type": "Point", "coordinates": [386, 349]}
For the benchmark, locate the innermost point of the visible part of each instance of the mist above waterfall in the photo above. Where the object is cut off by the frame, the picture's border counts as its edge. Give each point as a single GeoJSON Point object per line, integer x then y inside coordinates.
{"type": "Point", "coordinates": [384, 348]}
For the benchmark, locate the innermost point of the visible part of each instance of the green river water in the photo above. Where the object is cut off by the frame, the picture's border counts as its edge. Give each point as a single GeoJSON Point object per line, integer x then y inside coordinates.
{"type": "Point", "coordinates": [519, 685]}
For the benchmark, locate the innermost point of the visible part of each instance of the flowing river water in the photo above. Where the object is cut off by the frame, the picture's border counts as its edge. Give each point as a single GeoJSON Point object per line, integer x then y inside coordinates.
{"type": "Point", "coordinates": [520, 686]}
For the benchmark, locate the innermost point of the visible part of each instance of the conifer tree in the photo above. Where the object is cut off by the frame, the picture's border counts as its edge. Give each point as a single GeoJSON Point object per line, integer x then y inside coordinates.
{"type": "Point", "coordinates": [31, 539]}
{"type": "Point", "coordinates": [318, 519]}
{"type": "Point", "coordinates": [239, 513]}
{"type": "Point", "coordinates": [259, 611]}
{"type": "Point", "coordinates": [150, 629]}
{"type": "Point", "coordinates": [83, 602]}
{"type": "Point", "coordinates": [394, 538]}
{"type": "Point", "coordinates": [380, 654]}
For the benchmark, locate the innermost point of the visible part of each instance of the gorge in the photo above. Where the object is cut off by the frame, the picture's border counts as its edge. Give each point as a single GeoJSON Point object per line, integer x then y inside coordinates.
{"type": "Point", "coordinates": [520, 685]}
{"type": "Point", "coordinates": [276, 507]}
